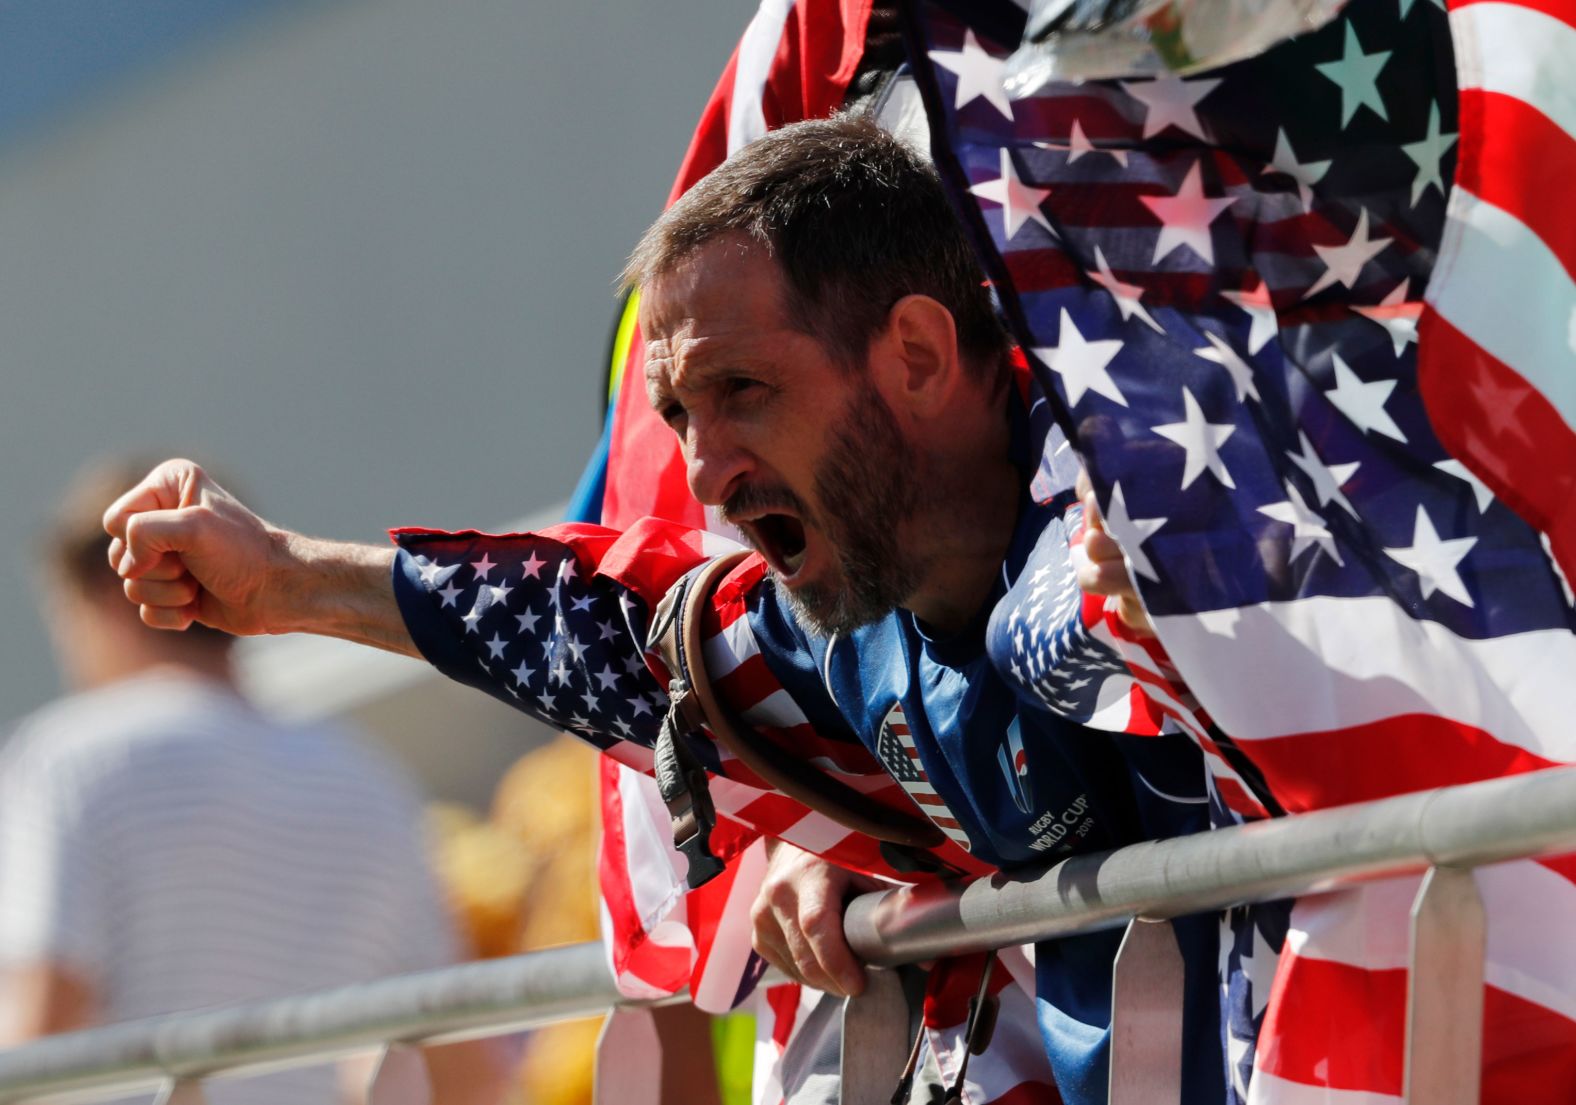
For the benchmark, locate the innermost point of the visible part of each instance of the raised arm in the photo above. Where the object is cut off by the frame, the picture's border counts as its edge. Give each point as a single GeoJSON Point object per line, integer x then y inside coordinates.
{"type": "Point", "coordinates": [189, 551]}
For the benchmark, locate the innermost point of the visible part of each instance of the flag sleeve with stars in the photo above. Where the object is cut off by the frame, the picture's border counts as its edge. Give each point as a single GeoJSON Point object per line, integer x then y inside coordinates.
{"type": "Point", "coordinates": [554, 624]}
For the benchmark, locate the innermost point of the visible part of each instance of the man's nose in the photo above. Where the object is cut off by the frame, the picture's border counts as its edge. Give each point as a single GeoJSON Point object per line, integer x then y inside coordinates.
{"type": "Point", "coordinates": [716, 464]}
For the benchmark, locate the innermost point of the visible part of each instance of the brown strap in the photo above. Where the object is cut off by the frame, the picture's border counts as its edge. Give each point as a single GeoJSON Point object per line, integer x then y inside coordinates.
{"type": "Point", "coordinates": [777, 766]}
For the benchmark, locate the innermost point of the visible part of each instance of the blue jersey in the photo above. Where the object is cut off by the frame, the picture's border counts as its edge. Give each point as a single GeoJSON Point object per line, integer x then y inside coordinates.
{"type": "Point", "coordinates": [1012, 782]}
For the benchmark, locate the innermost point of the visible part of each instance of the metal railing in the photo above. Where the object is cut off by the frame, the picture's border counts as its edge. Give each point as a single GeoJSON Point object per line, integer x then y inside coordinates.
{"type": "Point", "coordinates": [1443, 832]}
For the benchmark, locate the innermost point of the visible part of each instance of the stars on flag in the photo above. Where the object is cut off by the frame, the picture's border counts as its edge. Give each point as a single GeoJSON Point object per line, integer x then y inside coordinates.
{"type": "Point", "coordinates": [432, 573]}
{"type": "Point", "coordinates": [1261, 313]}
{"type": "Point", "coordinates": [1428, 154]}
{"type": "Point", "coordinates": [979, 74]}
{"type": "Point", "coordinates": [1308, 528]}
{"type": "Point", "coordinates": [1127, 296]}
{"type": "Point", "coordinates": [1305, 173]}
{"type": "Point", "coordinates": [1480, 490]}
{"type": "Point", "coordinates": [1078, 145]}
{"type": "Point", "coordinates": [1250, 947]}
{"type": "Point", "coordinates": [1082, 364]}
{"type": "Point", "coordinates": [1435, 560]}
{"type": "Point", "coordinates": [1132, 533]}
{"type": "Point", "coordinates": [1051, 654]}
{"type": "Point", "coordinates": [1343, 264]}
{"type": "Point", "coordinates": [1397, 315]}
{"type": "Point", "coordinates": [1356, 74]}
{"type": "Point", "coordinates": [1201, 439]}
{"type": "Point", "coordinates": [1171, 101]}
{"type": "Point", "coordinates": [1185, 217]}
{"type": "Point", "coordinates": [546, 646]}
{"type": "Point", "coordinates": [1220, 352]}
{"type": "Point", "coordinates": [1019, 202]}
{"type": "Point", "coordinates": [1362, 402]}
{"type": "Point", "coordinates": [1327, 480]}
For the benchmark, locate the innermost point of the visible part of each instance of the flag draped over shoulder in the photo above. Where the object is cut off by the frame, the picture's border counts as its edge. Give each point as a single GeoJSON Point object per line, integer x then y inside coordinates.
{"type": "Point", "coordinates": [1310, 321]}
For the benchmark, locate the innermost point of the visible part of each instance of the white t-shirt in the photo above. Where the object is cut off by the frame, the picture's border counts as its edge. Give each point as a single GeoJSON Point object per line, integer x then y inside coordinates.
{"type": "Point", "coordinates": [179, 850]}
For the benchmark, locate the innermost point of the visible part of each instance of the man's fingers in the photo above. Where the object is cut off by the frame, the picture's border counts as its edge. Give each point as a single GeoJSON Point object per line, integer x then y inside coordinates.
{"type": "Point", "coordinates": [149, 537]}
{"type": "Point", "coordinates": [177, 592]}
{"type": "Point", "coordinates": [823, 931]}
{"type": "Point", "coordinates": [1099, 568]}
{"type": "Point", "coordinates": [806, 965]}
{"type": "Point", "coordinates": [169, 566]}
{"type": "Point", "coordinates": [791, 956]}
{"type": "Point", "coordinates": [169, 617]}
{"type": "Point", "coordinates": [1093, 519]}
{"type": "Point", "coordinates": [170, 485]}
{"type": "Point", "coordinates": [1101, 547]}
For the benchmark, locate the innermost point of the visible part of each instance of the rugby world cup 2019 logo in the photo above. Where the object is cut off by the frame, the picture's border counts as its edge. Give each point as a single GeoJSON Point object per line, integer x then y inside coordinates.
{"type": "Point", "coordinates": [900, 756]}
{"type": "Point", "coordinates": [1015, 768]}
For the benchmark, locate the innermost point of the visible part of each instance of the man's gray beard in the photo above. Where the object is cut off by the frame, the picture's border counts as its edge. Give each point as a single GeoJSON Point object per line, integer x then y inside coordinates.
{"type": "Point", "coordinates": [867, 485]}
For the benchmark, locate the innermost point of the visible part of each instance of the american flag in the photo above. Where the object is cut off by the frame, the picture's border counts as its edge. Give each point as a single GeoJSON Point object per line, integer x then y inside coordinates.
{"type": "Point", "coordinates": [1309, 321]}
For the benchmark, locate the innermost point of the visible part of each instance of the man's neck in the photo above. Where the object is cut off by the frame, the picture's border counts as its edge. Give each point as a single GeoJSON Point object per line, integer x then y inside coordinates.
{"type": "Point", "coordinates": [968, 531]}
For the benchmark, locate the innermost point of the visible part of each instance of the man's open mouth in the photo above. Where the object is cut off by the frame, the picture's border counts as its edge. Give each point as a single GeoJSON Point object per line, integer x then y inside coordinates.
{"type": "Point", "coordinates": [780, 539]}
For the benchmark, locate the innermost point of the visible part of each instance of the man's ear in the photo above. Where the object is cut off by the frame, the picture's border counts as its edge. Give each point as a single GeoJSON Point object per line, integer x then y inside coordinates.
{"type": "Point", "coordinates": [915, 359]}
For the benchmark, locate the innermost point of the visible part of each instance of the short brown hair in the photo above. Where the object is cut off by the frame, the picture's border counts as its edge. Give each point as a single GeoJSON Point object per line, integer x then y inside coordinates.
{"type": "Point", "coordinates": [857, 221]}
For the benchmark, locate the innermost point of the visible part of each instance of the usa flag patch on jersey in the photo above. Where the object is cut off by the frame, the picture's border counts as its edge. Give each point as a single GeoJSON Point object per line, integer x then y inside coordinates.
{"type": "Point", "coordinates": [898, 754]}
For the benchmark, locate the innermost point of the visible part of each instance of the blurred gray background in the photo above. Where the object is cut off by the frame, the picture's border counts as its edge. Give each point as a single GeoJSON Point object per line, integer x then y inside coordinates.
{"type": "Point", "coordinates": [358, 253]}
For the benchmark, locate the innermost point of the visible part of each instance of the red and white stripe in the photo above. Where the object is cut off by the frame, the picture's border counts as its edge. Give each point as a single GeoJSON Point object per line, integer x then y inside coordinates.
{"type": "Point", "coordinates": [1443, 709]}
{"type": "Point", "coordinates": [1335, 1025]}
{"type": "Point", "coordinates": [1497, 338]}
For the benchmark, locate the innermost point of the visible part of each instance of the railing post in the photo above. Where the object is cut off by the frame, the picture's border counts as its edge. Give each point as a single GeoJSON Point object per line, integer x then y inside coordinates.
{"type": "Point", "coordinates": [1444, 1000]}
{"type": "Point", "coordinates": [628, 1060]}
{"type": "Point", "coordinates": [876, 1041]}
{"type": "Point", "coordinates": [400, 1078]}
{"type": "Point", "coordinates": [181, 1091]}
{"type": "Point", "coordinates": [1146, 1016]}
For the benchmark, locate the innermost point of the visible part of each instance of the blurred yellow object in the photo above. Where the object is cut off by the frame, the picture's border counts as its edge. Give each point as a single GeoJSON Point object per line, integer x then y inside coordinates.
{"type": "Point", "coordinates": [547, 802]}
{"type": "Point", "coordinates": [525, 878]}
{"type": "Point", "coordinates": [559, 1062]}
{"type": "Point", "coordinates": [485, 873]}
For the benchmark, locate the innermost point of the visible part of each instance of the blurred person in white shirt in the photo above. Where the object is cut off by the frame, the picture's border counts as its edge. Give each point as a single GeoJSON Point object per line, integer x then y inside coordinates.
{"type": "Point", "coordinates": [165, 846]}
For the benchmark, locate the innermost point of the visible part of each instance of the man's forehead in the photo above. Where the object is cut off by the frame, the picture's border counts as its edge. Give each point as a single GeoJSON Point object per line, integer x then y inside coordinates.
{"type": "Point", "coordinates": [728, 281]}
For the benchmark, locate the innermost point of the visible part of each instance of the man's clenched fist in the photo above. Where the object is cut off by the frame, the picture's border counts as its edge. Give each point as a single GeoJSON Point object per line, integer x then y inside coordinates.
{"type": "Point", "coordinates": [189, 551]}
